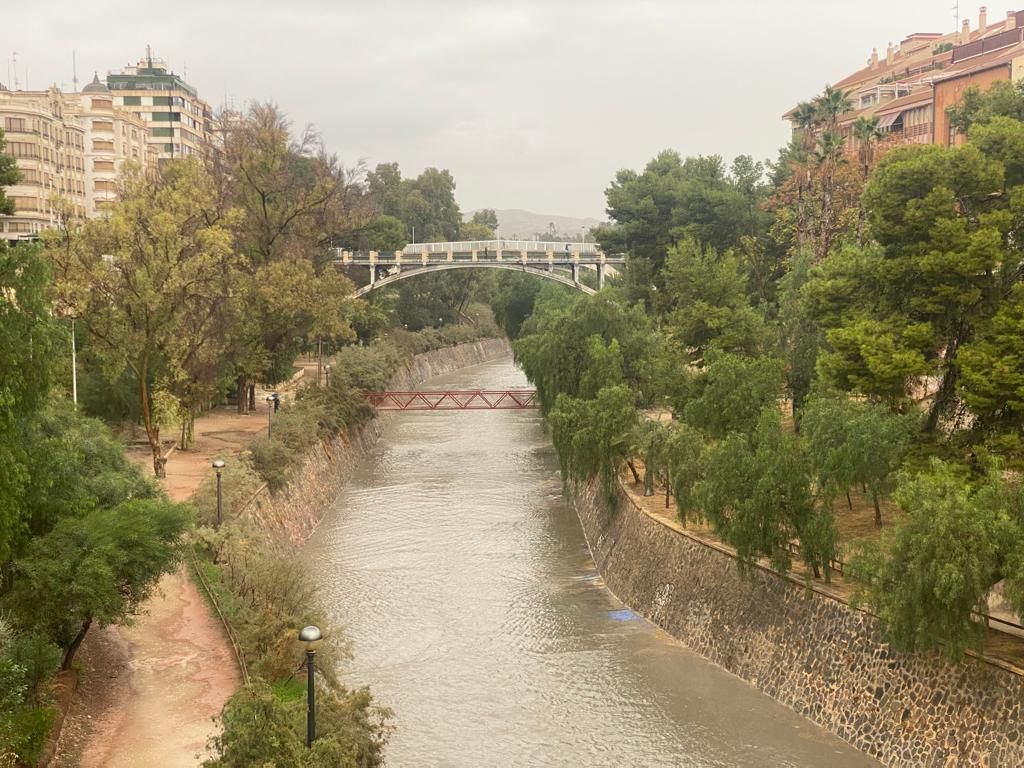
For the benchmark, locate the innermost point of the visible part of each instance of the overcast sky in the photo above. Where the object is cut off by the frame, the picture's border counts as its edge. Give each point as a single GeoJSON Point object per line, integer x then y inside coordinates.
{"type": "Point", "coordinates": [530, 104]}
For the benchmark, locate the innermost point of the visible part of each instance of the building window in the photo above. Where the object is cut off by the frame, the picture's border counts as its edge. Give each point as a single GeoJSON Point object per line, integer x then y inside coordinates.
{"type": "Point", "coordinates": [103, 125]}
{"type": "Point", "coordinates": [14, 124]}
{"type": "Point", "coordinates": [104, 185]}
{"type": "Point", "coordinates": [103, 165]}
{"type": "Point", "coordinates": [162, 101]}
{"type": "Point", "coordinates": [162, 132]}
{"type": "Point", "coordinates": [102, 104]}
{"type": "Point", "coordinates": [103, 146]}
{"type": "Point", "coordinates": [22, 149]}
{"type": "Point", "coordinates": [132, 101]}
{"type": "Point", "coordinates": [166, 117]}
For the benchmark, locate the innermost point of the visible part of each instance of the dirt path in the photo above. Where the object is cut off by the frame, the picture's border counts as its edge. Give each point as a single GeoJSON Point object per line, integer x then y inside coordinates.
{"type": "Point", "coordinates": [149, 691]}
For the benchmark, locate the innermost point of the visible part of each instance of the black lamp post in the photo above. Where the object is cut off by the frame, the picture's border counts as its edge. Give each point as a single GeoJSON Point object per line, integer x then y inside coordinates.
{"type": "Point", "coordinates": [310, 636]}
{"type": "Point", "coordinates": [218, 465]}
{"type": "Point", "coordinates": [327, 375]}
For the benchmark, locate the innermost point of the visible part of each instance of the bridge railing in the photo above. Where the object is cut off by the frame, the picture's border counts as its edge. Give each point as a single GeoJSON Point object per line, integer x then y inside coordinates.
{"type": "Point", "coordinates": [516, 246]}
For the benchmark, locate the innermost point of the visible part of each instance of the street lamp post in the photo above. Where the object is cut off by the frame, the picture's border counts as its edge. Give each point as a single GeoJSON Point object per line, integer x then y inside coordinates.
{"type": "Point", "coordinates": [270, 413]}
{"type": "Point", "coordinates": [74, 365]}
{"type": "Point", "coordinates": [310, 636]}
{"type": "Point", "coordinates": [218, 465]}
{"type": "Point", "coordinates": [327, 375]}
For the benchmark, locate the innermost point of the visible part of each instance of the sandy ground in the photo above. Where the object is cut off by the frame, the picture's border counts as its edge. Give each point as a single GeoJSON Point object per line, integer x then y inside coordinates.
{"type": "Point", "coordinates": [150, 691]}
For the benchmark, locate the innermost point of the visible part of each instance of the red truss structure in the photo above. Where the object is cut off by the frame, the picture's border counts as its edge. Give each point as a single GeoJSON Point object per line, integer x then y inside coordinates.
{"type": "Point", "coordinates": [454, 400]}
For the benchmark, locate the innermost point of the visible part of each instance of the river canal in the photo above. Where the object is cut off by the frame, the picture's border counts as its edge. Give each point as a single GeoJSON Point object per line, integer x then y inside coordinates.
{"type": "Point", "coordinates": [475, 613]}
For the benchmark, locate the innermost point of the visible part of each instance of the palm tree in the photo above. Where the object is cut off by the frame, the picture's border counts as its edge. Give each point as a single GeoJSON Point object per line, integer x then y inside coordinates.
{"type": "Point", "coordinates": [829, 154]}
{"type": "Point", "coordinates": [805, 118]}
{"type": "Point", "coordinates": [867, 133]}
{"type": "Point", "coordinates": [831, 104]}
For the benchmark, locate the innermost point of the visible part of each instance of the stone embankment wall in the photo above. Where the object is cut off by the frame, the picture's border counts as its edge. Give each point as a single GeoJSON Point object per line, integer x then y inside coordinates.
{"type": "Point", "coordinates": [810, 652]}
{"type": "Point", "coordinates": [296, 511]}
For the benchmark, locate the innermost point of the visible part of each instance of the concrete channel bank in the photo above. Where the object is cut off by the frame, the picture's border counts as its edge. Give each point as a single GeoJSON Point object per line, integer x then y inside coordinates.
{"type": "Point", "coordinates": [806, 650]}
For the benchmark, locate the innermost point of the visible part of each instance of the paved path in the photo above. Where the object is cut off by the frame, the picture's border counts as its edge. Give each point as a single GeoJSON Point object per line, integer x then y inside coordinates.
{"type": "Point", "coordinates": [150, 691]}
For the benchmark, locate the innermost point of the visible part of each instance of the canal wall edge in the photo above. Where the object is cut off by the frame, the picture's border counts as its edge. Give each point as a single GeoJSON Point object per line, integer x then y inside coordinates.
{"type": "Point", "coordinates": [823, 659]}
{"type": "Point", "coordinates": [294, 512]}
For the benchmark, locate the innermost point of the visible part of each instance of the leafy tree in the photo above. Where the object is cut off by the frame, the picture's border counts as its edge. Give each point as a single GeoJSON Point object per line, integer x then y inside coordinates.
{"type": "Point", "coordinates": [683, 450]}
{"type": "Point", "coordinates": [853, 443]}
{"type": "Point", "coordinates": [152, 283]}
{"type": "Point", "coordinates": [929, 579]}
{"type": "Point", "coordinates": [295, 200]}
{"type": "Point", "coordinates": [673, 200]}
{"type": "Point", "coordinates": [992, 367]}
{"type": "Point", "coordinates": [513, 301]}
{"type": "Point", "coordinates": [705, 301]}
{"type": "Point", "coordinates": [9, 175]}
{"type": "Point", "coordinates": [100, 567]}
{"type": "Point", "coordinates": [949, 255]}
{"type": "Point", "coordinates": [471, 230]}
{"type": "Point", "coordinates": [756, 492]}
{"type": "Point", "coordinates": [977, 107]}
{"type": "Point", "coordinates": [384, 234]}
{"type": "Point", "coordinates": [604, 367]}
{"type": "Point", "coordinates": [552, 348]}
{"type": "Point", "coordinates": [487, 217]}
{"type": "Point", "coordinates": [732, 391]}
{"type": "Point", "coordinates": [800, 339]}
{"type": "Point", "coordinates": [593, 437]}
{"type": "Point", "coordinates": [29, 339]}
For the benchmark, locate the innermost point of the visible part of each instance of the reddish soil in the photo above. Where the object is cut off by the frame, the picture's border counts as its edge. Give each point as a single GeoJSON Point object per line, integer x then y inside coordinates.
{"type": "Point", "coordinates": [150, 691]}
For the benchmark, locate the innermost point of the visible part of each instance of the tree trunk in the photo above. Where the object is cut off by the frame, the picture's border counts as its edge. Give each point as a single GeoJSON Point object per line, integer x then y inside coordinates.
{"type": "Point", "coordinates": [878, 509]}
{"type": "Point", "coordinates": [252, 397]}
{"type": "Point", "coordinates": [849, 501]}
{"type": "Point", "coordinates": [183, 435]}
{"type": "Point", "coordinates": [946, 388]}
{"type": "Point", "coordinates": [632, 468]}
{"type": "Point", "coordinates": [648, 481]}
{"type": "Point", "coordinates": [668, 496]}
{"type": "Point", "coordinates": [152, 430]}
{"type": "Point", "coordinates": [69, 655]}
{"type": "Point", "coordinates": [243, 400]}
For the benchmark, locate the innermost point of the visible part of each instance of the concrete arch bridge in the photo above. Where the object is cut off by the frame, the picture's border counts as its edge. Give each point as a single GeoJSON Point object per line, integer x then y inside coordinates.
{"type": "Point", "coordinates": [559, 262]}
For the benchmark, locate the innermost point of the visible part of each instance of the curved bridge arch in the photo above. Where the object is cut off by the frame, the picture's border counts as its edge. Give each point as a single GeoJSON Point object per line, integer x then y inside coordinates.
{"type": "Point", "coordinates": [511, 266]}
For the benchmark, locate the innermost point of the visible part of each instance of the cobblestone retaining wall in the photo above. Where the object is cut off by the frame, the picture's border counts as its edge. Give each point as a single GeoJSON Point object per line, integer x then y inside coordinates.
{"type": "Point", "coordinates": [295, 511]}
{"type": "Point", "coordinates": [812, 653]}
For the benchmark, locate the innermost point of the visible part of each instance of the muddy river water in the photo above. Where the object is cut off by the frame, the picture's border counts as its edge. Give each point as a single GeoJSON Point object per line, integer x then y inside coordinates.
{"type": "Point", "coordinates": [475, 613]}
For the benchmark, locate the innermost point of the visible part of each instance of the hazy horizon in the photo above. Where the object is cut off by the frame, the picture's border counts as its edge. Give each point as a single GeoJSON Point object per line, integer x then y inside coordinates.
{"type": "Point", "coordinates": [531, 105]}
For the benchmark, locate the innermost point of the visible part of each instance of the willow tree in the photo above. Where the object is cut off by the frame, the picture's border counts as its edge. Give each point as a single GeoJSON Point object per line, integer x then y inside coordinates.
{"type": "Point", "coordinates": [152, 284]}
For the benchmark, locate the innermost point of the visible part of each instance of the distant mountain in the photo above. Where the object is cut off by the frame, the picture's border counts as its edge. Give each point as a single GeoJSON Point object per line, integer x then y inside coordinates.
{"type": "Point", "coordinates": [527, 225]}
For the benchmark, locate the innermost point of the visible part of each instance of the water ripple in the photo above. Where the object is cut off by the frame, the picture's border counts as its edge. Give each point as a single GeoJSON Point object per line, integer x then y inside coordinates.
{"type": "Point", "coordinates": [475, 612]}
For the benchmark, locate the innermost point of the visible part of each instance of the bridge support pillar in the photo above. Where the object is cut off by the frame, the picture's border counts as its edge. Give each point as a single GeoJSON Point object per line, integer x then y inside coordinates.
{"type": "Point", "coordinates": [575, 272]}
{"type": "Point", "coordinates": [600, 276]}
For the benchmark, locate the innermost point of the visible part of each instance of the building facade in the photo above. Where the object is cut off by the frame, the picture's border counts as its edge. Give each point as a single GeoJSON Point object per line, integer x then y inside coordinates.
{"type": "Point", "coordinates": [913, 86]}
{"type": "Point", "coordinates": [48, 142]}
{"type": "Point", "coordinates": [112, 137]}
{"type": "Point", "coordinates": [179, 123]}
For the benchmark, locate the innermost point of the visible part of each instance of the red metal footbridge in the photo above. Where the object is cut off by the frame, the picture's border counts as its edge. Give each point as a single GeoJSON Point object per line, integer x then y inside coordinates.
{"type": "Point", "coordinates": [455, 400]}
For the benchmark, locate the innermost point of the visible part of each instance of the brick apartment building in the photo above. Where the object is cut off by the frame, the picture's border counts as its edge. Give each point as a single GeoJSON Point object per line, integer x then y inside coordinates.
{"type": "Point", "coordinates": [910, 89]}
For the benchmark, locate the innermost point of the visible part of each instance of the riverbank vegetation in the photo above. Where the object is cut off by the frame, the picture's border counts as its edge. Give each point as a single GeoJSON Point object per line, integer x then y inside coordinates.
{"type": "Point", "coordinates": [846, 319]}
{"type": "Point", "coordinates": [203, 279]}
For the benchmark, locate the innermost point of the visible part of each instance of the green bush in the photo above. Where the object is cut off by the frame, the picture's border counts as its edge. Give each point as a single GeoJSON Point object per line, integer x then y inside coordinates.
{"type": "Point", "coordinates": [259, 728]}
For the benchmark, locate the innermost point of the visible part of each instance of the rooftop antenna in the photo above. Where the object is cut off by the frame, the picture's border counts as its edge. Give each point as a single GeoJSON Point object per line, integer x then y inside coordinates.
{"type": "Point", "coordinates": [74, 70]}
{"type": "Point", "coordinates": [149, 56]}
{"type": "Point", "coordinates": [14, 63]}
{"type": "Point", "coordinates": [956, 15]}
